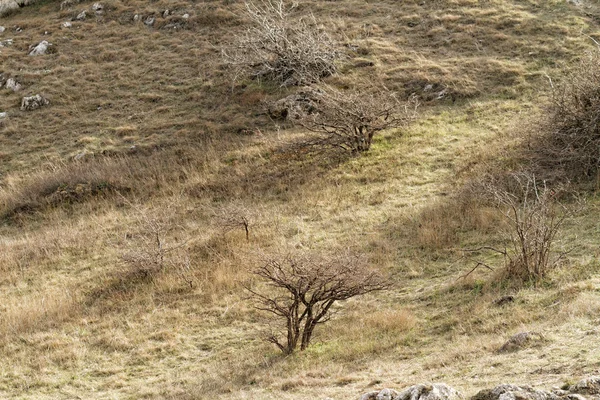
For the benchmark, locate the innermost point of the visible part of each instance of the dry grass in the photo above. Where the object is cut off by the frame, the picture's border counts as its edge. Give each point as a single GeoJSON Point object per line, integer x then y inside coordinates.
{"type": "Point", "coordinates": [151, 116]}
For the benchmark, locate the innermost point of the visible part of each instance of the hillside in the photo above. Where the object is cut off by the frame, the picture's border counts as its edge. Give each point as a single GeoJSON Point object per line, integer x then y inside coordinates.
{"type": "Point", "coordinates": [146, 134]}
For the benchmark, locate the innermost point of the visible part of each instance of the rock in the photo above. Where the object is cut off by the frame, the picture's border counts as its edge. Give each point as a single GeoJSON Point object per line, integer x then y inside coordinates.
{"type": "Point", "coordinates": [7, 6]}
{"type": "Point", "coordinates": [520, 340]}
{"type": "Point", "coordinates": [97, 7]}
{"type": "Point", "coordinates": [185, 16]}
{"type": "Point", "coordinates": [2, 29]}
{"type": "Point", "coordinates": [149, 21]}
{"type": "Point", "coordinates": [513, 392]}
{"type": "Point", "coordinates": [81, 16]}
{"type": "Point", "coordinates": [3, 115]}
{"type": "Point", "coordinates": [166, 13]}
{"type": "Point", "coordinates": [136, 18]}
{"type": "Point", "coordinates": [577, 3]}
{"type": "Point", "coordinates": [590, 386]}
{"type": "Point", "coordinates": [67, 24]}
{"type": "Point", "coordinates": [33, 102]}
{"type": "Point", "coordinates": [385, 394]}
{"type": "Point", "coordinates": [504, 300]}
{"type": "Point", "coordinates": [294, 106]}
{"type": "Point", "coordinates": [13, 85]}
{"type": "Point", "coordinates": [435, 391]}
{"type": "Point", "coordinates": [6, 43]}
{"type": "Point", "coordinates": [40, 49]}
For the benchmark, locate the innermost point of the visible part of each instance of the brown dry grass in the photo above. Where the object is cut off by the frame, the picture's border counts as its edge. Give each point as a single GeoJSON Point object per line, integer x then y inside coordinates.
{"type": "Point", "coordinates": [76, 322]}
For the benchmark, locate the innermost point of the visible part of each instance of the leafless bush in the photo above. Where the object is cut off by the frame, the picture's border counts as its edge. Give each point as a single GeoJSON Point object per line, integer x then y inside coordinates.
{"type": "Point", "coordinates": [303, 289]}
{"type": "Point", "coordinates": [349, 120]}
{"type": "Point", "coordinates": [282, 48]}
{"type": "Point", "coordinates": [158, 245]}
{"type": "Point", "coordinates": [534, 217]}
{"type": "Point", "coordinates": [234, 217]}
{"type": "Point", "coordinates": [568, 143]}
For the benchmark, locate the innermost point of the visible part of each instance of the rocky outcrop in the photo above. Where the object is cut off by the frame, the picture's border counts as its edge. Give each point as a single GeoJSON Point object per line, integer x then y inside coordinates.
{"type": "Point", "coordinates": [433, 391]}
{"type": "Point", "coordinates": [8, 6]}
{"type": "Point", "coordinates": [513, 392]}
{"type": "Point", "coordinates": [33, 102]}
{"type": "Point", "coordinates": [585, 389]}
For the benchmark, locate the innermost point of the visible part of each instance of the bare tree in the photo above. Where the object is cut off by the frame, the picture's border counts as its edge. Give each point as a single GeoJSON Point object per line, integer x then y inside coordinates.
{"type": "Point", "coordinates": [281, 48]}
{"type": "Point", "coordinates": [350, 120]}
{"type": "Point", "coordinates": [303, 289]}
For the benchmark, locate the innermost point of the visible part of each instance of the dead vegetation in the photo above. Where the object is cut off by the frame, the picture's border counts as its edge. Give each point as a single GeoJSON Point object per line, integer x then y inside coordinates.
{"type": "Point", "coordinates": [157, 117]}
{"type": "Point", "coordinates": [282, 47]}
{"type": "Point", "coordinates": [349, 120]}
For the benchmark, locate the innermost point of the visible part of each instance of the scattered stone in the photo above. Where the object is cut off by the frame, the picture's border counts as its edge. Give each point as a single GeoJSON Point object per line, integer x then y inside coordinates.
{"type": "Point", "coordinates": [385, 394]}
{"type": "Point", "coordinates": [33, 102]}
{"type": "Point", "coordinates": [2, 29]}
{"type": "Point", "coordinates": [136, 18]}
{"type": "Point", "coordinates": [293, 106]}
{"type": "Point", "coordinates": [590, 386]}
{"type": "Point", "coordinates": [6, 43]}
{"type": "Point", "coordinates": [520, 340]}
{"type": "Point", "coordinates": [97, 7]}
{"type": "Point", "coordinates": [150, 21]}
{"type": "Point", "coordinates": [67, 24]}
{"type": "Point", "coordinates": [166, 13]}
{"type": "Point", "coordinates": [577, 3]}
{"type": "Point", "coordinates": [185, 16]}
{"type": "Point", "coordinates": [504, 300]}
{"type": "Point", "coordinates": [40, 49]}
{"type": "Point", "coordinates": [513, 392]}
{"type": "Point", "coordinates": [434, 391]}
{"type": "Point", "coordinates": [81, 16]}
{"type": "Point", "coordinates": [3, 115]}
{"type": "Point", "coordinates": [13, 85]}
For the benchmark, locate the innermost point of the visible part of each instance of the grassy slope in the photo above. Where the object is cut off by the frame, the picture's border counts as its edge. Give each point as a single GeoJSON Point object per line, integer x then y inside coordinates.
{"type": "Point", "coordinates": [75, 324]}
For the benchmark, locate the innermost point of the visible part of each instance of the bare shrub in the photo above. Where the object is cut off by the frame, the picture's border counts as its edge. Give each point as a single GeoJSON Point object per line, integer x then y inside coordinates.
{"type": "Point", "coordinates": [568, 136]}
{"type": "Point", "coordinates": [234, 217]}
{"type": "Point", "coordinates": [303, 289]}
{"type": "Point", "coordinates": [534, 217]}
{"type": "Point", "coordinates": [158, 245]}
{"type": "Point", "coordinates": [282, 48]}
{"type": "Point", "coordinates": [349, 120]}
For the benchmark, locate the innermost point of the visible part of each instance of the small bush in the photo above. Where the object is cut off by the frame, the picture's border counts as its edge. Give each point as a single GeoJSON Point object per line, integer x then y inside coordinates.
{"type": "Point", "coordinates": [567, 138]}
{"type": "Point", "coordinates": [533, 217]}
{"type": "Point", "coordinates": [281, 48]}
{"type": "Point", "coordinates": [349, 120]}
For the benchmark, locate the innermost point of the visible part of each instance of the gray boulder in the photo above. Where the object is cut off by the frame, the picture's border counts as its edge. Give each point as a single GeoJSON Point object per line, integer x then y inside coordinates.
{"type": "Point", "coordinates": [13, 85]}
{"type": "Point", "coordinates": [587, 386]}
{"type": "Point", "coordinates": [40, 49]}
{"type": "Point", "coordinates": [33, 102]}
{"type": "Point", "coordinates": [433, 391]}
{"type": "Point", "coordinates": [514, 392]}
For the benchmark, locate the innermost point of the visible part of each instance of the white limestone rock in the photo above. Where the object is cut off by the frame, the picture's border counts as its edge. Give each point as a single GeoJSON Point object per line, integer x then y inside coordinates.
{"type": "Point", "coordinates": [40, 49]}
{"type": "Point", "coordinates": [33, 102]}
